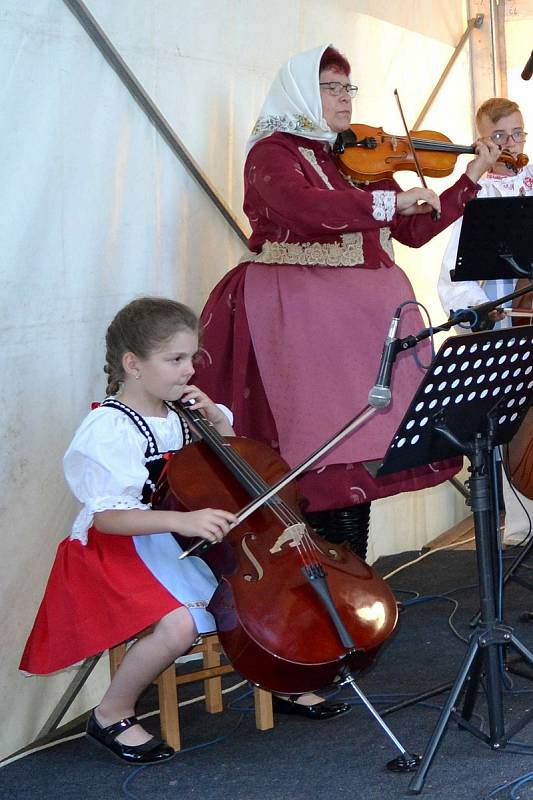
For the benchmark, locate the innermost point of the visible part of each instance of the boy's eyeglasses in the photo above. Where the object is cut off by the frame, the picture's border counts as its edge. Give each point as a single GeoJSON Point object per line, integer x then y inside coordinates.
{"type": "Point", "coordinates": [502, 138]}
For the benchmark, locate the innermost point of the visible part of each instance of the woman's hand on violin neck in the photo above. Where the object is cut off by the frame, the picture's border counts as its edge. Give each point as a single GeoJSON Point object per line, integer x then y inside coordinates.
{"type": "Point", "coordinates": [211, 524]}
{"type": "Point", "coordinates": [487, 155]}
{"type": "Point", "coordinates": [417, 201]}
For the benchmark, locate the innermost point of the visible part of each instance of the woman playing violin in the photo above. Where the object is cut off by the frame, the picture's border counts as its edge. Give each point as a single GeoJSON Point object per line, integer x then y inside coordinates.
{"type": "Point", "coordinates": [294, 333]}
{"type": "Point", "coordinates": [498, 120]}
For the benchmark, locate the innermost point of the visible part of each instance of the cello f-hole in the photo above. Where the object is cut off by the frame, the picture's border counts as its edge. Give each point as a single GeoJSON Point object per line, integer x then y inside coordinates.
{"type": "Point", "coordinates": [250, 556]}
{"type": "Point", "coordinates": [327, 550]}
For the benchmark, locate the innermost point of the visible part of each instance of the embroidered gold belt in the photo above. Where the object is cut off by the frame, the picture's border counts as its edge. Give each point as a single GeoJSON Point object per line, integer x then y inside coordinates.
{"type": "Point", "coordinates": [346, 253]}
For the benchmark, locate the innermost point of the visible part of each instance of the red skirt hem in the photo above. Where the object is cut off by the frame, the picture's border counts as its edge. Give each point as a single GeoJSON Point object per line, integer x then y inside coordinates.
{"type": "Point", "coordinates": [97, 595]}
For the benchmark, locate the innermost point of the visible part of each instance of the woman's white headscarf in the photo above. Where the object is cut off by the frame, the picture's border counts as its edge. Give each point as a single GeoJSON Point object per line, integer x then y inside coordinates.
{"type": "Point", "coordinates": [293, 104]}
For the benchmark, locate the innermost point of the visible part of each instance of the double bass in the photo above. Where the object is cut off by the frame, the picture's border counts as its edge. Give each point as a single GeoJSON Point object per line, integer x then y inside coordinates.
{"type": "Point", "coordinates": [293, 612]}
{"type": "Point", "coordinates": [519, 451]}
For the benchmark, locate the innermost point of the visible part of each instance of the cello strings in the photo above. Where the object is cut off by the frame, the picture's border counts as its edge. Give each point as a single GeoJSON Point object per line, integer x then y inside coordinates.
{"type": "Point", "coordinates": [239, 467]}
{"type": "Point", "coordinates": [307, 549]}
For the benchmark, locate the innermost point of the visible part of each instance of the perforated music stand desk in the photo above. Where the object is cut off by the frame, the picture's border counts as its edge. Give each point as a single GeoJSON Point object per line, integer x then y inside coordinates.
{"type": "Point", "coordinates": [496, 239]}
{"type": "Point", "coordinates": [474, 397]}
{"type": "Point", "coordinates": [470, 375]}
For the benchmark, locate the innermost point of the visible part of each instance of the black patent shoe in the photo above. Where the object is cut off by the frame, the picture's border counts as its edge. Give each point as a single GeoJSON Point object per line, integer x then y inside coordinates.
{"type": "Point", "coordinates": [316, 711]}
{"type": "Point", "coordinates": [151, 752]}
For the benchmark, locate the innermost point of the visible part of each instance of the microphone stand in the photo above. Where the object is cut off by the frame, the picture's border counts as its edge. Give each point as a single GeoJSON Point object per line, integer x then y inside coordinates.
{"type": "Point", "coordinates": [471, 316]}
{"type": "Point", "coordinates": [465, 315]}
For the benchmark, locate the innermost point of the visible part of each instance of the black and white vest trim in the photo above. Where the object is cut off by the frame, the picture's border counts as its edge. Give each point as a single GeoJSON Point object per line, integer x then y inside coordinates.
{"type": "Point", "coordinates": [155, 460]}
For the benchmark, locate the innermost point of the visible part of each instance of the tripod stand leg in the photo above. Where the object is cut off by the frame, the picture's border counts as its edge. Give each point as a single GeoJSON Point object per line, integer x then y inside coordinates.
{"type": "Point", "coordinates": [471, 689]}
{"type": "Point", "coordinates": [522, 649]}
{"type": "Point", "coordinates": [406, 762]}
{"type": "Point", "coordinates": [493, 666]}
{"type": "Point", "coordinates": [417, 782]}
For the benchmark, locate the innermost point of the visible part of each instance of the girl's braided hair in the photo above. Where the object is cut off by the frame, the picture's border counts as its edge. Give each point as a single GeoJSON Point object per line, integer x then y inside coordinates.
{"type": "Point", "coordinates": [141, 327]}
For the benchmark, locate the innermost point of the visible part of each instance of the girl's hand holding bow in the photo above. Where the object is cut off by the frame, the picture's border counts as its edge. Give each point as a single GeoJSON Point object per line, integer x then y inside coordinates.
{"type": "Point", "coordinates": [211, 524]}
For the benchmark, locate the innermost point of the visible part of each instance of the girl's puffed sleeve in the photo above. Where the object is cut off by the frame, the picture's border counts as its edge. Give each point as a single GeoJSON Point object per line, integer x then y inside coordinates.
{"type": "Point", "coordinates": [104, 467]}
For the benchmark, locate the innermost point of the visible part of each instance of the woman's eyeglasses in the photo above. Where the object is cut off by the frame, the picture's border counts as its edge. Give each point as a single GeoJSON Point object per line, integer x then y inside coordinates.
{"type": "Point", "coordinates": [502, 138]}
{"type": "Point", "coordinates": [335, 88]}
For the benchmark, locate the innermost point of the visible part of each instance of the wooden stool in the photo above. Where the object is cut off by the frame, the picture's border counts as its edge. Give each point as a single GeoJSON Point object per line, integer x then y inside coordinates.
{"type": "Point", "coordinates": [167, 688]}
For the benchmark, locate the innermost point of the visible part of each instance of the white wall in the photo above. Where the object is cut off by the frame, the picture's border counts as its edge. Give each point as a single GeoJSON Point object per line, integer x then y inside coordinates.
{"type": "Point", "coordinates": [96, 210]}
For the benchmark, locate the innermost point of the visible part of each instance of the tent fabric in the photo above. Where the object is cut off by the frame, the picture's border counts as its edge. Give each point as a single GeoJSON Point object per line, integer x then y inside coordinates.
{"type": "Point", "coordinates": [97, 210]}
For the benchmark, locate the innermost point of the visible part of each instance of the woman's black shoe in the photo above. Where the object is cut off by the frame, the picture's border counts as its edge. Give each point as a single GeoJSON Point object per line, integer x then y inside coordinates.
{"type": "Point", "coordinates": [148, 753]}
{"type": "Point", "coordinates": [316, 711]}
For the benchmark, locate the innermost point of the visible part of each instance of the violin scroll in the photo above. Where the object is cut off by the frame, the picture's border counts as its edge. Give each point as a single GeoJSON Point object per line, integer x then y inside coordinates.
{"type": "Point", "coordinates": [514, 163]}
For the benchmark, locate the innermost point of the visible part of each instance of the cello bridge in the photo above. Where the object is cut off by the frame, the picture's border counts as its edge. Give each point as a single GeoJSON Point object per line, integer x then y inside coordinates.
{"type": "Point", "coordinates": [292, 536]}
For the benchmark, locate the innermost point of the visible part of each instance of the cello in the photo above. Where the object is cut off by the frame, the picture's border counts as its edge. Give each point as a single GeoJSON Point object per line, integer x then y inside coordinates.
{"type": "Point", "coordinates": [293, 613]}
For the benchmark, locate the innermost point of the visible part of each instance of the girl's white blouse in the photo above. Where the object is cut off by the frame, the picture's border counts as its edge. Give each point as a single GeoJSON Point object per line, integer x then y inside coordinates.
{"type": "Point", "coordinates": [105, 464]}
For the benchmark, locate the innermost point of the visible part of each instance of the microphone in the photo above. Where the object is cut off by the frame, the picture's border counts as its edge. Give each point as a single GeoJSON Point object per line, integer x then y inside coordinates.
{"type": "Point", "coordinates": [527, 72]}
{"type": "Point", "coordinates": [380, 395]}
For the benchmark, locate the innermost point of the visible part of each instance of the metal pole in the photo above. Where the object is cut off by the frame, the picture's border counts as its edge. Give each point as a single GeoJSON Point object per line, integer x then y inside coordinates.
{"type": "Point", "coordinates": [476, 22]}
{"type": "Point", "coordinates": [113, 57]}
{"type": "Point", "coordinates": [68, 696]}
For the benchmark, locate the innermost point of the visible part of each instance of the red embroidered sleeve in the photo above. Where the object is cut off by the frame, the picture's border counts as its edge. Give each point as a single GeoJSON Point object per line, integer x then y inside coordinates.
{"type": "Point", "coordinates": [418, 229]}
{"type": "Point", "coordinates": [287, 189]}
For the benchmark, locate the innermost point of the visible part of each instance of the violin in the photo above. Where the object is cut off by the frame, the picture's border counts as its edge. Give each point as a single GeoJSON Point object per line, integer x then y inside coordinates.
{"type": "Point", "coordinates": [292, 611]}
{"type": "Point", "coordinates": [368, 154]}
{"type": "Point", "coordinates": [519, 452]}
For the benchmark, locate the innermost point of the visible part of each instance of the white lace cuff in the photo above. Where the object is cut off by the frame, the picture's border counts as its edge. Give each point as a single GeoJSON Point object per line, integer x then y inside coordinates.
{"type": "Point", "coordinates": [84, 520]}
{"type": "Point", "coordinates": [384, 205]}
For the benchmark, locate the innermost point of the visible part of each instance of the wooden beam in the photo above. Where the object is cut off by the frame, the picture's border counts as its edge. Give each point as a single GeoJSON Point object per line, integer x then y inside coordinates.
{"type": "Point", "coordinates": [488, 64]}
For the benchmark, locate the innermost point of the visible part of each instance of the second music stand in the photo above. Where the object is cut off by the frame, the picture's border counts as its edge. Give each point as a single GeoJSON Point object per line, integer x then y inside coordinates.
{"type": "Point", "coordinates": [496, 239]}
{"type": "Point", "coordinates": [473, 398]}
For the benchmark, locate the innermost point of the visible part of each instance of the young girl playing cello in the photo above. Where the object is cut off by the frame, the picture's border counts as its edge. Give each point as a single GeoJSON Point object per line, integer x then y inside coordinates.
{"type": "Point", "coordinates": [118, 572]}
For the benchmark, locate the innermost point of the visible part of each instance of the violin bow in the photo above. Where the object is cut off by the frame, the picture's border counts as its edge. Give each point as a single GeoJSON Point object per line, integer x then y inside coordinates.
{"type": "Point", "coordinates": [434, 214]}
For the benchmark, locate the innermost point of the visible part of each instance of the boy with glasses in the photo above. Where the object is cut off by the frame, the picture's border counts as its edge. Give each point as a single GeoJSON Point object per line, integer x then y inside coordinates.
{"type": "Point", "coordinates": [500, 120]}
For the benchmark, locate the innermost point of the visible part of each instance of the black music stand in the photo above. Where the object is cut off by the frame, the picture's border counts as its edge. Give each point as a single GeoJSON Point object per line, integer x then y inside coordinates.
{"type": "Point", "coordinates": [473, 398]}
{"type": "Point", "coordinates": [496, 239]}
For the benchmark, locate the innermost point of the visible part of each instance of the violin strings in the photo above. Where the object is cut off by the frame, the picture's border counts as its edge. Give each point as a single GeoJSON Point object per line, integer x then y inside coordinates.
{"type": "Point", "coordinates": [446, 147]}
{"type": "Point", "coordinates": [433, 144]}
